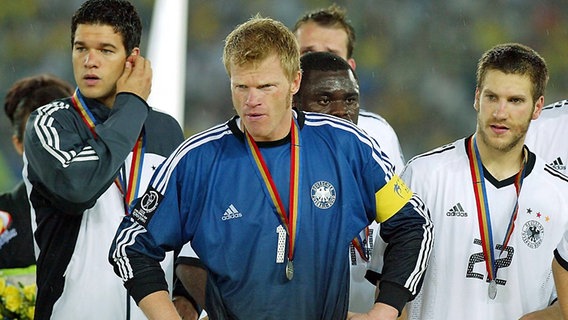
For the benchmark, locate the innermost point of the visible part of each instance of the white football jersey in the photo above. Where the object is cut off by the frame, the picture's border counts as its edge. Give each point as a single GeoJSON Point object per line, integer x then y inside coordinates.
{"type": "Point", "coordinates": [361, 291]}
{"type": "Point", "coordinates": [455, 285]}
{"type": "Point", "coordinates": [547, 133]}
{"type": "Point", "coordinates": [546, 138]}
{"type": "Point", "coordinates": [378, 128]}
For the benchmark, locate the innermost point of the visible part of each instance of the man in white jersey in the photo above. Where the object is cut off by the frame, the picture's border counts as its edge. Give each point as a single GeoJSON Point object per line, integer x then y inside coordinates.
{"type": "Point", "coordinates": [329, 30]}
{"type": "Point", "coordinates": [499, 209]}
{"type": "Point", "coordinates": [546, 138]}
{"type": "Point", "coordinates": [546, 135]}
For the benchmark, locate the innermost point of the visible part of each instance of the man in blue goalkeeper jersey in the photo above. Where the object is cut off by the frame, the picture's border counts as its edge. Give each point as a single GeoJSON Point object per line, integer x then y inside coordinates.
{"type": "Point", "coordinates": [270, 201]}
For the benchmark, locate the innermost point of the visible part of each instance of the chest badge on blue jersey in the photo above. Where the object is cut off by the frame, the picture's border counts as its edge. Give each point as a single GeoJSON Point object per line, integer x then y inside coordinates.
{"type": "Point", "coordinates": [323, 194]}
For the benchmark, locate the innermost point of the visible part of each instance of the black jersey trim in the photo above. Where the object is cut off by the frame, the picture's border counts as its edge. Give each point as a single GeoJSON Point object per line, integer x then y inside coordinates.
{"type": "Point", "coordinates": [441, 149]}
{"type": "Point", "coordinates": [548, 168]}
{"type": "Point", "coordinates": [234, 127]}
{"type": "Point", "coordinates": [558, 104]}
{"type": "Point", "coordinates": [531, 160]}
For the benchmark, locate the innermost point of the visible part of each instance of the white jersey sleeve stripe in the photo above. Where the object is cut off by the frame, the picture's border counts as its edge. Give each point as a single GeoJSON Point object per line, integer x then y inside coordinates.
{"type": "Point", "coordinates": [49, 138]}
{"type": "Point", "coordinates": [125, 239]}
{"type": "Point", "coordinates": [425, 248]}
{"type": "Point", "coordinates": [162, 177]}
{"type": "Point", "coordinates": [555, 173]}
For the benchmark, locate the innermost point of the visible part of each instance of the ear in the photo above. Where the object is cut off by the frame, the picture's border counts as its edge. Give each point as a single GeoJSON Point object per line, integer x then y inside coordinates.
{"type": "Point", "coordinates": [476, 101]}
{"type": "Point", "coordinates": [539, 104]}
{"type": "Point", "coordinates": [18, 145]}
{"type": "Point", "coordinates": [133, 54]}
{"type": "Point", "coordinates": [295, 86]}
{"type": "Point", "coordinates": [352, 63]}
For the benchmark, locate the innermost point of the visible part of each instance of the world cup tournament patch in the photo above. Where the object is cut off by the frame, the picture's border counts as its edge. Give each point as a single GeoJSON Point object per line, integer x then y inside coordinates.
{"type": "Point", "coordinates": [146, 206]}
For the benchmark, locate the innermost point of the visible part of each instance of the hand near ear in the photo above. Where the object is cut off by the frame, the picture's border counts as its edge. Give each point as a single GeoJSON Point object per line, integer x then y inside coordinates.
{"type": "Point", "coordinates": [136, 77]}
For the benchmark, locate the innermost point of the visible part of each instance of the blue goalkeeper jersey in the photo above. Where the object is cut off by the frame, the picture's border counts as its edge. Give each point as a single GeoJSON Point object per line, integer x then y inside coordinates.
{"type": "Point", "coordinates": [210, 192]}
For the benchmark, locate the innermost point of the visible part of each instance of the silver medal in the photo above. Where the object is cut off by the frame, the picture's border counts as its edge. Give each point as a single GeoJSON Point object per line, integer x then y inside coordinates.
{"type": "Point", "coordinates": [492, 290]}
{"type": "Point", "coordinates": [289, 270]}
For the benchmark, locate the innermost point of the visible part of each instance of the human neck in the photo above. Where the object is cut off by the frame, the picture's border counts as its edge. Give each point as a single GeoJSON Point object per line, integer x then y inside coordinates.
{"type": "Point", "coordinates": [276, 133]}
{"type": "Point", "coordinates": [501, 164]}
{"type": "Point", "coordinates": [107, 101]}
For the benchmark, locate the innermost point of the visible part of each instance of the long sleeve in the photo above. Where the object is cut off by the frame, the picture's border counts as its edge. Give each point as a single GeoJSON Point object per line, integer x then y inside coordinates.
{"type": "Point", "coordinates": [67, 162]}
{"type": "Point", "coordinates": [135, 252]}
{"type": "Point", "coordinates": [409, 237]}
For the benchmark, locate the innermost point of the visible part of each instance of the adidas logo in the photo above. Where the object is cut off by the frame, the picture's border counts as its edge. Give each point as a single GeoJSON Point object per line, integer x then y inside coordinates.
{"type": "Point", "coordinates": [558, 164]}
{"type": "Point", "coordinates": [231, 213]}
{"type": "Point", "coordinates": [456, 211]}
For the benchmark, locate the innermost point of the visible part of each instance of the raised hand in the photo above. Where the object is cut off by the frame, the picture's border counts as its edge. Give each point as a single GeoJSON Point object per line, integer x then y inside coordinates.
{"type": "Point", "coordinates": [136, 77]}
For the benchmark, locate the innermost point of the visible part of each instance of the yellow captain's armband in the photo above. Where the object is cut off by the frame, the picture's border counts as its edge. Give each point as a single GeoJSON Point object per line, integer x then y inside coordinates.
{"type": "Point", "coordinates": [392, 196]}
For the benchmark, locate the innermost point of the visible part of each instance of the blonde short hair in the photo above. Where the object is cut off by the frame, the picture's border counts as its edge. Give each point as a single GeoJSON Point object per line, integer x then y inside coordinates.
{"type": "Point", "coordinates": [258, 38]}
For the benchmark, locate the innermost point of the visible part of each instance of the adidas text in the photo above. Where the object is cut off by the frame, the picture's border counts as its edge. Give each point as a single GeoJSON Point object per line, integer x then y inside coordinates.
{"type": "Point", "coordinates": [456, 211]}
{"type": "Point", "coordinates": [231, 213]}
{"type": "Point", "coordinates": [231, 216]}
{"type": "Point", "coordinates": [456, 214]}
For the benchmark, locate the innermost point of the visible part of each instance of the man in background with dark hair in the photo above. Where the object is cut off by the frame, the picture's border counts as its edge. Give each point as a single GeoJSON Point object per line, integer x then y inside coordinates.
{"type": "Point", "coordinates": [329, 30]}
{"type": "Point", "coordinates": [329, 85]}
{"type": "Point", "coordinates": [25, 95]}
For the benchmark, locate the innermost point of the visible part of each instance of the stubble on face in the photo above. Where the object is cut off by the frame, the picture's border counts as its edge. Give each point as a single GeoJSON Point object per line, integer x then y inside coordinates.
{"type": "Point", "coordinates": [502, 144]}
{"type": "Point", "coordinates": [504, 128]}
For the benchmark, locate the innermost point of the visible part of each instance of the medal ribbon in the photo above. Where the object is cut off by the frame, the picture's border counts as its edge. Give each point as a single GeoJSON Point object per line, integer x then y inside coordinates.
{"type": "Point", "coordinates": [360, 245]}
{"type": "Point", "coordinates": [84, 112]}
{"type": "Point", "coordinates": [483, 215]}
{"type": "Point", "coordinates": [289, 221]}
{"type": "Point", "coordinates": [131, 186]}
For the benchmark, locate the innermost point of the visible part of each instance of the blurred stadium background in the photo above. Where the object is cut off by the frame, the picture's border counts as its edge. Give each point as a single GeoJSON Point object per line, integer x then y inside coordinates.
{"type": "Point", "coordinates": [416, 59]}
